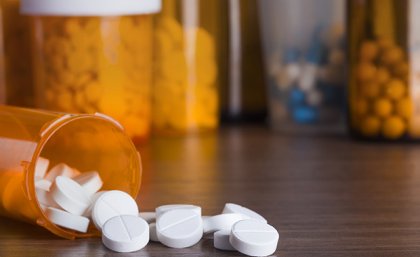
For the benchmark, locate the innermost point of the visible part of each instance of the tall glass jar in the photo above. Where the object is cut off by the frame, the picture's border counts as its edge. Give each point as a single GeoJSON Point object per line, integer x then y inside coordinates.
{"type": "Point", "coordinates": [185, 92]}
{"type": "Point", "coordinates": [95, 56]}
{"type": "Point", "coordinates": [385, 67]}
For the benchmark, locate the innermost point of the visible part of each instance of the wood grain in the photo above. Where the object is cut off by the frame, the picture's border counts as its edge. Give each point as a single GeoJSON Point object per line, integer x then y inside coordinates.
{"type": "Point", "coordinates": [327, 196]}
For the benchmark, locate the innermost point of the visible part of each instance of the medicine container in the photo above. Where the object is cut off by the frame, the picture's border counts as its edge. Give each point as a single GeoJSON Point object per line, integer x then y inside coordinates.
{"type": "Point", "coordinates": [16, 77]}
{"type": "Point", "coordinates": [305, 60]}
{"type": "Point", "coordinates": [242, 89]}
{"type": "Point", "coordinates": [384, 64]}
{"type": "Point", "coordinates": [85, 142]}
{"type": "Point", "coordinates": [185, 92]}
{"type": "Point", "coordinates": [95, 56]}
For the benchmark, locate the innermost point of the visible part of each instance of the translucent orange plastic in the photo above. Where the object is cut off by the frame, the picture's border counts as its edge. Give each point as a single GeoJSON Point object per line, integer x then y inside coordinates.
{"type": "Point", "coordinates": [86, 142]}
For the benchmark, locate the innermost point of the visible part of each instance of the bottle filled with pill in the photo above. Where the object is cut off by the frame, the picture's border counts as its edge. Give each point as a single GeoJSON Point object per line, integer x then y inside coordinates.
{"type": "Point", "coordinates": [57, 170]}
{"type": "Point", "coordinates": [95, 56]}
{"type": "Point", "coordinates": [384, 80]}
{"type": "Point", "coordinates": [305, 60]}
{"type": "Point", "coordinates": [185, 92]}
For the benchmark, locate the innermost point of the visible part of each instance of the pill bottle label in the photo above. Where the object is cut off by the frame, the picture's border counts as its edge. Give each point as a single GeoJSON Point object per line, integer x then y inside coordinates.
{"type": "Point", "coordinates": [15, 151]}
{"type": "Point", "coordinates": [90, 7]}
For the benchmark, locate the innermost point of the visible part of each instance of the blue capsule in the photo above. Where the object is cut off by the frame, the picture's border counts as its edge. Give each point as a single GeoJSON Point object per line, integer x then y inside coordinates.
{"type": "Point", "coordinates": [305, 115]}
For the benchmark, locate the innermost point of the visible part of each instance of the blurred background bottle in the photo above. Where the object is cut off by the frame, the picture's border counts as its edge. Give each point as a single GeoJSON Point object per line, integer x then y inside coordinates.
{"type": "Point", "coordinates": [242, 91]}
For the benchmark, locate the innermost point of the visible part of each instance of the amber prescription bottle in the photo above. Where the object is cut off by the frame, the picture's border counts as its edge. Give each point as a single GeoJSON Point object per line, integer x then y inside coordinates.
{"type": "Point", "coordinates": [95, 55]}
{"type": "Point", "coordinates": [85, 142]}
{"type": "Point", "coordinates": [185, 94]}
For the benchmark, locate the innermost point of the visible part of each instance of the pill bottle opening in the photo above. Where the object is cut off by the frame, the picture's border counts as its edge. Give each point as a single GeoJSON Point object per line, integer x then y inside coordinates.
{"type": "Point", "coordinates": [88, 143]}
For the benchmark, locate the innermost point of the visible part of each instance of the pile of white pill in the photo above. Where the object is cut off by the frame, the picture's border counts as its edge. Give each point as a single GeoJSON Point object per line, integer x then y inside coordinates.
{"type": "Point", "coordinates": [72, 200]}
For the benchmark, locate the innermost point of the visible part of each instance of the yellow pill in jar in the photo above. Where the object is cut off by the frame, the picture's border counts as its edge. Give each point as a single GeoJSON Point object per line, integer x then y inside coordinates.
{"type": "Point", "coordinates": [366, 71]}
{"type": "Point", "coordinates": [393, 127]}
{"type": "Point", "coordinates": [370, 90]}
{"type": "Point", "coordinates": [392, 55]}
{"type": "Point", "coordinates": [382, 75]}
{"type": "Point", "coordinates": [368, 51]}
{"type": "Point", "coordinates": [360, 107]}
{"type": "Point", "coordinates": [395, 89]}
{"type": "Point", "coordinates": [404, 108]}
{"type": "Point", "coordinates": [370, 126]}
{"type": "Point", "coordinates": [382, 107]}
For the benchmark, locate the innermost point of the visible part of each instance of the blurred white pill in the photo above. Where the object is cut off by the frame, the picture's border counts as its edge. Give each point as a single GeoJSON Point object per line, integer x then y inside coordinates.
{"type": "Point", "coordinates": [149, 217]}
{"type": "Point", "coordinates": [221, 222]}
{"type": "Point", "coordinates": [111, 204]}
{"type": "Point", "coordinates": [221, 240]}
{"type": "Point", "coordinates": [41, 167]}
{"type": "Point", "coordinates": [314, 98]}
{"type": "Point", "coordinates": [61, 169]}
{"type": "Point", "coordinates": [293, 70]}
{"type": "Point", "coordinates": [308, 76]}
{"type": "Point", "coordinates": [165, 208]}
{"type": "Point", "coordinates": [69, 195]}
{"type": "Point", "coordinates": [125, 233]}
{"type": "Point", "coordinates": [43, 184]}
{"type": "Point", "coordinates": [42, 191]}
{"type": "Point", "coordinates": [179, 228]}
{"type": "Point", "coordinates": [152, 232]}
{"type": "Point", "coordinates": [90, 181]}
{"type": "Point", "coordinates": [67, 220]}
{"type": "Point", "coordinates": [245, 212]}
{"type": "Point", "coordinates": [254, 238]}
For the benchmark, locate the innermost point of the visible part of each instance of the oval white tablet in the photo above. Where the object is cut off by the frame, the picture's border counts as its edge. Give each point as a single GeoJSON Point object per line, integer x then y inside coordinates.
{"type": "Point", "coordinates": [221, 222]}
{"type": "Point", "coordinates": [254, 238]}
{"type": "Point", "coordinates": [41, 167]}
{"type": "Point", "coordinates": [67, 220]}
{"type": "Point", "coordinates": [149, 217]}
{"type": "Point", "coordinates": [125, 233]}
{"type": "Point", "coordinates": [90, 181]}
{"type": "Point", "coordinates": [43, 195]}
{"type": "Point", "coordinates": [152, 232]}
{"type": "Point", "coordinates": [247, 213]}
{"type": "Point", "coordinates": [111, 204]}
{"type": "Point", "coordinates": [61, 169]}
{"type": "Point", "coordinates": [165, 208]}
{"type": "Point", "coordinates": [221, 240]}
{"type": "Point", "coordinates": [69, 195]}
{"type": "Point", "coordinates": [179, 228]}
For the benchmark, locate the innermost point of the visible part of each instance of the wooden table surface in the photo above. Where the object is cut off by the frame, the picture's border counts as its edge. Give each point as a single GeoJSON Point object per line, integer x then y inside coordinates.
{"type": "Point", "coordinates": [327, 195]}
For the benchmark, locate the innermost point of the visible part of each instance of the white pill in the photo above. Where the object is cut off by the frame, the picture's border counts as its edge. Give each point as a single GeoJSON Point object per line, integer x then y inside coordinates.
{"type": "Point", "coordinates": [149, 217]}
{"type": "Point", "coordinates": [125, 233]}
{"type": "Point", "coordinates": [43, 195]}
{"type": "Point", "coordinates": [93, 199]}
{"type": "Point", "coordinates": [67, 220]}
{"type": "Point", "coordinates": [293, 70]}
{"type": "Point", "coordinates": [90, 181]}
{"type": "Point", "coordinates": [308, 77]}
{"type": "Point", "coordinates": [43, 184]}
{"type": "Point", "coordinates": [179, 228]}
{"type": "Point", "coordinates": [221, 240]}
{"type": "Point", "coordinates": [254, 238]}
{"type": "Point", "coordinates": [165, 208]}
{"type": "Point", "coordinates": [61, 169]}
{"type": "Point", "coordinates": [69, 195]}
{"type": "Point", "coordinates": [247, 213]}
{"type": "Point", "coordinates": [221, 222]}
{"type": "Point", "coordinates": [41, 167]}
{"type": "Point", "coordinates": [314, 98]}
{"type": "Point", "coordinates": [111, 204]}
{"type": "Point", "coordinates": [152, 232]}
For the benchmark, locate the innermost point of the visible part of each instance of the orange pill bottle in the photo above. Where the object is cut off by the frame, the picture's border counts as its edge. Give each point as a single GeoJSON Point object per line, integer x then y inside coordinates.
{"type": "Point", "coordinates": [83, 141]}
{"type": "Point", "coordinates": [384, 92]}
{"type": "Point", "coordinates": [93, 56]}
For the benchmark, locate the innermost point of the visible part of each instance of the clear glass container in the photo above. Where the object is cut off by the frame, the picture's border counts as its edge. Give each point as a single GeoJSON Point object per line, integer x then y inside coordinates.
{"type": "Point", "coordinates": [85, 142]}
{"type": "Point", "coordinates": [89, 56]}
{"type": "Point", "coordinates": [304, 46]}
{"type": "Point", "coordinates": [185, 92]}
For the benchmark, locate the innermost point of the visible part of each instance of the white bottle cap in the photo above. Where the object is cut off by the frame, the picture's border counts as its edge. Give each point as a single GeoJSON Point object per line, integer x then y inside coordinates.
{"type": "Point", "coordinates": [89, 7]}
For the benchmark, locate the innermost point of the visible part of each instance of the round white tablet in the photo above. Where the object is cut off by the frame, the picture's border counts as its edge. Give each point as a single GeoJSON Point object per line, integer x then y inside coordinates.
{"type": "Point", "coordinates": [41, 167]}
{"type": "Point", "coordinates": [43, 195]}
{"type": "Point", "coordinates": [254, 238]}
{"type": "Point", "coordinates": [247, 213]}
{"type": "Point", "coordinates": [93, 199]}
{"type": "Point", "coordinates": [110, 204]}
{"type": "Point", "coordinates": [221, 240]}
{"type": "Point", "coordinates": [221, 222]}
{"type": "Point", "coordinates": [67, 220]}
{"type": "Point", "coordinates": [149, 217]}
{"type": "Point", "coordinates": [165, 208]}
{"type": "Point", "coordinates": [125, 233]}
{"type": "Point", "coordinates": [179, 228]}
{"type": "Point", "coordinates": [90, 181]}
{"type": "Point", "coordinates": [153, 234]}
{"type": "Point", "coordinates": [69, 195]}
